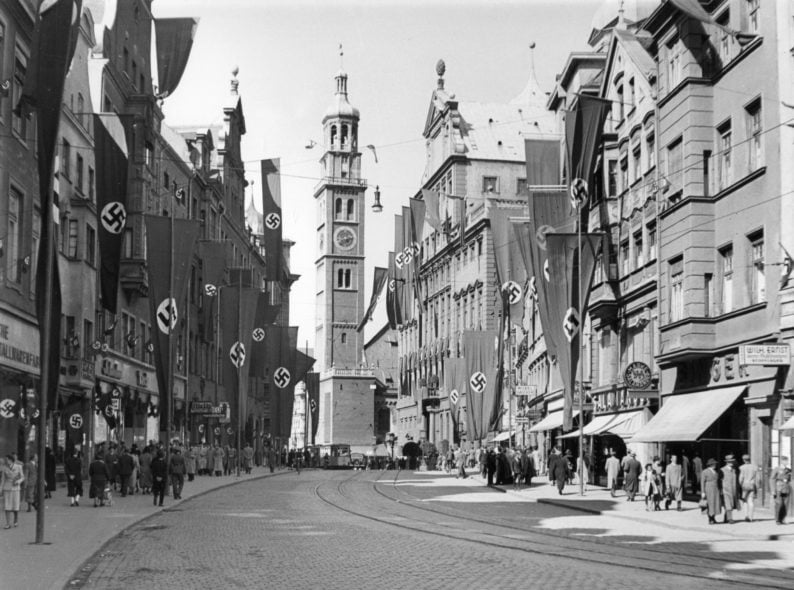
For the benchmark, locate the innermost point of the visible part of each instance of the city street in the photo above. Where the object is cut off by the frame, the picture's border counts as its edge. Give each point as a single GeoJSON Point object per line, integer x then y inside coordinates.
{"type": "Point", "coordinates": [346, 529]}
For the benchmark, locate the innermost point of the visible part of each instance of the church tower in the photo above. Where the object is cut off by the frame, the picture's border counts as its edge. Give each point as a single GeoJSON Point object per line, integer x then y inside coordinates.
{"type": "Point", "coordinates": [339, 200]}
{"type": "Point", "coordinates": [347, 398]}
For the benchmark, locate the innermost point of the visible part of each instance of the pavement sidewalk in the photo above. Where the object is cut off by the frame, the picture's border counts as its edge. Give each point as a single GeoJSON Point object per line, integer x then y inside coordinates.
{"type": "Point", "coordinates": [73, 534]}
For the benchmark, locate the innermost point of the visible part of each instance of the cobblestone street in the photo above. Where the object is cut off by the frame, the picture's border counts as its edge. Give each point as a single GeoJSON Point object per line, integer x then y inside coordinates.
{"type": "Point", "coordinates": [366, 529]}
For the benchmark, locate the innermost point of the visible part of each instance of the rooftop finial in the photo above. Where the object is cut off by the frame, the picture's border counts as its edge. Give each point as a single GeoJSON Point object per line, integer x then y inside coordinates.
{"type": "Point", "coordinates": [441, 68]}
{"type": "Point", "coordinates": [341, 57]}
{"type": "Point", "coordinates": [235, 81]}
{"type": "Point", "coordinates": [621, 16]}
{"type": "Point", "coordinates": [532, 75]}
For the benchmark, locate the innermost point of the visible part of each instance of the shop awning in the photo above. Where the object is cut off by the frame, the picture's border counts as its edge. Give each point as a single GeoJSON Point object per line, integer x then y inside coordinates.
{"type": "Point", "coordinates": [686, 417]}
{"type": "Point", "coordinates": [550, 422]}
{"type": "Point", "coordinates": [788, 424]}
{"type": "Point", "coordinates": [597, 425]}
{"type": "Point", "coordinates": [503, 436]}
{"type": "Point", "coordinates": [626, 425]}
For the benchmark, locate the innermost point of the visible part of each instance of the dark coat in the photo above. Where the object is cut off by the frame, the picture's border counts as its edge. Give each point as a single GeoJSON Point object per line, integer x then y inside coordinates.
{"type": "Point", "coordinates": [99, 476]}
{"type": "Point", "coordinates": [126, 464]}
{"type": "Point", "coordinates": [159, 469]}
{"type": "Point", "coordinates": [178, 464]}
{"type": "Point", "coordinates": [558, 468]}
{"type": "Point", "coordinates": [632, 471]}
{"type": "Point", "coordinates": [49, 470]}
{"type": "Point", "coordinates": [712, 490]}
{"type": "Point", "coordinates": [73, 466]}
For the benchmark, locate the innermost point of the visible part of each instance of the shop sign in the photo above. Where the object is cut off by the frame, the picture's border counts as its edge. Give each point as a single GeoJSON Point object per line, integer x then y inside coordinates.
{"type": "Point", "coordinates": [527, 390]}
{"type": "Point", "coordinates": [13, 335]}
{"type": "Point", "coordinates": [765, 354]}
{"type": "Point", "coordinates": [206, 409]}
{"type": "Point", "coordinates": [638, 375]}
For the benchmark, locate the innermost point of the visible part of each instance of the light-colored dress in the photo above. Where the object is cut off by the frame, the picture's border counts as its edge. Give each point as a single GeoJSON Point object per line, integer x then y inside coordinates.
{"type": "Point", "coordinates": [11, 479]}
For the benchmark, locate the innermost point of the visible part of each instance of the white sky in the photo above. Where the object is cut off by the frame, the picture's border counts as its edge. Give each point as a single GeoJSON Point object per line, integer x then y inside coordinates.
{"type": "Point", "coordinates": [287, 52]}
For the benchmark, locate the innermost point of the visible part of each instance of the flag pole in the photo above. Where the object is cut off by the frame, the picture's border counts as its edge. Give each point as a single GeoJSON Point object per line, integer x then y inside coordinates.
{"type": "Point", "coordinates": [581, 350]}
{"type": "Point", "coordinates": [239, 364]}
{"type": "Point", "coordinates": [46, 375]}
{"type": "Point", "coordinates": [171, 325]}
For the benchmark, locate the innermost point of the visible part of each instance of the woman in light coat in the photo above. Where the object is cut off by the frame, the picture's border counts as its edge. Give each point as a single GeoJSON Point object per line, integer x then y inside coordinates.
{"type": "Point", "coordinates": [710, 479]}
{"type": "Point", "coordinates": [11, 478]}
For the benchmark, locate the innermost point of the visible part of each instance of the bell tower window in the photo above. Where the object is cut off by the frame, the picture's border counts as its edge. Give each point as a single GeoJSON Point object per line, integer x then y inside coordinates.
{"type": "Point", "coordinates": [333, 136]}
{"type": "Point", "coordinates": [351, 210]}
{"type": "Point", "coordinates": [344, 137]}
{"type": "Point", "coordinates": [338, 209]}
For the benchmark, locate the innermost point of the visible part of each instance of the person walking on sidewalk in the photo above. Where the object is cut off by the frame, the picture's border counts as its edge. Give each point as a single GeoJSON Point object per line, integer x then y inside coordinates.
{"type": "Point", "coordinates": [613, 471]}
{"type": "Point", "coordinates": [748, 482]}
{"type": "Point", "coordinates": [11, 479]}
{"type": "Point", "coordinates": [632, 471]}
{"type": "Point", "coordinates": [31, 482]}
{"type": "Point", "coordinates": [99, 478]}
{"type": "Point", "coordinates": [177, 469]}
{"type": "Point", "coordinates": [126, 465]}
{"type": "Point", "coordinates": [73, 468]}
{"type": "Point", "coordinates": [217, 460]}
{"type": "Point", "coordinates": [710, 480]}
{"type": "Point", "coordinates": [146, 470]}
{"type": "Point", "coordinates": [558, 470]}
{"type": "Point", "coordinates": [730, 488]}
{"type": "Point", "coordinates": [248, 458]}
{"type": "Point", "coordinates": [780, 484]}
{"type": "Point", "coordinates": [649, 488]}
{"type": "Point", "coordinates": [490, 466]}
{"type": "Point", "coordinates": [674, 483]}
{"type": "Point", "coordinates": [697, 467]}
{"type": "Point", "coordinates": [159, 477]}
{"type": "Point", "coordinates": [190, 463]}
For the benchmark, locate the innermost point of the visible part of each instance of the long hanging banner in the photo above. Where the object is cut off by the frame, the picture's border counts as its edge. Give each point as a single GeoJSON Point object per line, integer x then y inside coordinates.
{"type": "Point", "coordinates": [313, 395]}
{"type": "Point", "coordinates": [174, 41]}
{"type": "Point", "coordinates": [215, 257]}
{"type": "Point", "coordinates": [163, 304]}
{"type": "Point", "coordinates": [399, 269]}
{"type": "Point", "coordinates": [567, 313]}
{"type": "Point", "coordinates": [52, 49]}
{"type": "Point", "coordinates": [410, 257]}
{"type": "Point", "coordinates": [110, 149]}
{"type": "Point", "coordinates": [583, 129]}
{"type": "Point", "coordinates": [238, 310]}
{"type": "Point", "coordinates": [417, 218]}
{"type": "Point", "coordinates": [432, 216]}
{"type": "Point", "coordinates": [456, 384]}
{"type": "Point", "coordinates": [378, 282]}
{"type": "Point", "coordinates": [271, 217]}
{"type": "Point", "coordinates": [266, 315]}
{"type": "Point", "coordinates": [479, 351]}
{"type": "Point", "coordinates": [393, 287]}
{"type": "Point", "coordinates": [510, 271]}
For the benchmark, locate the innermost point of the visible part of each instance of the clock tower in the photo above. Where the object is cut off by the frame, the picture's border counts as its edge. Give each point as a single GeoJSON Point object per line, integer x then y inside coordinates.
{"type": "Point", "coordinates": [347, 397]}
{"type": "Point", "coordinates": [339, 200]}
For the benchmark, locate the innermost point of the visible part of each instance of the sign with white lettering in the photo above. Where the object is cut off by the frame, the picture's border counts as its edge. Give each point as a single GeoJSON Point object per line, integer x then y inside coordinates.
{"type": "Point", "coordinates": [765, 354]}
{"type": "Point", "coordinates": [527, 390]}
{"type": "Point", "coordinates": [19, 344]}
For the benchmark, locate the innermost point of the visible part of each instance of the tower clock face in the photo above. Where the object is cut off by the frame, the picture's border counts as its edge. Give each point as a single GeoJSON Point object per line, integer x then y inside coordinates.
{"type": "Point", "coordinates": [345, 238]}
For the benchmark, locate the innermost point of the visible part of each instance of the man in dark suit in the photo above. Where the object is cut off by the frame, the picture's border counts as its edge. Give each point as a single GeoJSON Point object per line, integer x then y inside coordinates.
{"type": "Point", "coordinates": [558, 469]}
{"type": "Point", "coordinates": [490, 466]}
{"type": "Point", "coordinates": [126, 465]}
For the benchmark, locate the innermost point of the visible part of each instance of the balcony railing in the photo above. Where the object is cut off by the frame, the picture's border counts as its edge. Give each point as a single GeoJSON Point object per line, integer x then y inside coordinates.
{"type": "Point", "coordinates": [334, 372]}
{"type": "Point", "coordinates": [344, 181]}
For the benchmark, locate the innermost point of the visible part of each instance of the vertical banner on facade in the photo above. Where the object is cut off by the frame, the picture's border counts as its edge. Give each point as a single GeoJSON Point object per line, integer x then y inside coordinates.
{"type": "Point", "coordinates": [313, 399]}
{"type": "Point", "coordinates": [432, 215]}
{"type": "Point", "coordinates": [456, 384]}
{"type": "Point", "coordinates": [583, 129]}
{"type": "Point", "coordinates": [549, 212]}
{"type": "Point", "coordinates": [238, 311]}
{"type": "Point", "coordinates": [510, 271]}
{"type": "Point", "coordinates": [567, 312]}
{"type": "Point", "coordinates": [163, 303]}
{"type": "Point", "coordinates": [479, 352]}
{"type": "Point", "coordinates": [52, 49]}
{"type": "Point", "coordinates": [287, 387]}
{"type": "Point", "coordinates": [266, 315]}
{"type": "Point", "coordinates": [417, 217]}
{"type": "Point", "coordinates": [543, 161]}
{"type": "Point", "coordinates": [110, 149]}
{"type": "Point", "coordinates": [271, 217]}
{"type": "Point", "coordinates": [393, 285]}
{"type": "Point", "coordinates": [378, 282]}
{"type": "Point", "coordinates": [399, 269]}
{"type": "Point", "coordinates": [408, 265]}
{"type": "Point", "coordinates": [214, 260]}
{"type": "Point", "coordinates": [174, 41]}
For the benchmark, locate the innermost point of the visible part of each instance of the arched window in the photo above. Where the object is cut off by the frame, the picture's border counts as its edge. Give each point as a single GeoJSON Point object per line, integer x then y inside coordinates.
{"type": "Point", "coordinates": [344, 136]}
{"type": "Point", "coordinates": [347, 278]}
{"type": "Point", "coordinates": [340, 278]}
{"type": "Point", "coordinates": [338, 209]}
{"type": "Point", "coordinates": [333, 135]}
{"type": "Point", "coordinates": [351, 209]}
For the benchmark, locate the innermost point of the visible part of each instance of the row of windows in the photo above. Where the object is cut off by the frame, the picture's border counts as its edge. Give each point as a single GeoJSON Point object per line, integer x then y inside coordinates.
{"type": "Point", "coordinates": [639, 250]}
{"type": "Point", "coordinates": [720, 293]}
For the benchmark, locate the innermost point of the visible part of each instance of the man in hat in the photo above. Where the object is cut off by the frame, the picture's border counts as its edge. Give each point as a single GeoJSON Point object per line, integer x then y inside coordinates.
{"type": "Point", "coordinates": [780, 484]}
{"type": "Point", "coordinates": [748, 482]}
{"type": "Point", "coordinates": [613, 470]}
{"type": "Point", "coordinates": [674, 483]}
{"type": "Point", "coordinates": [631, 475]}
{"type": "Point", "coordinates": [730, 487]}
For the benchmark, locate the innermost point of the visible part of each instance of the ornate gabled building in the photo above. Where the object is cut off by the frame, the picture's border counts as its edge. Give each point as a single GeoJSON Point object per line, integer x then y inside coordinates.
{"type": "Point", "coordinates": [475, 161]}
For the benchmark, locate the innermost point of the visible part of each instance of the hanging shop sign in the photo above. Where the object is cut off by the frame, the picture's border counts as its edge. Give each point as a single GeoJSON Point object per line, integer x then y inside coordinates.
{"type": "Point", "coordinates": [19, 345]}
{"type": "Point", "coordinates": [765, 354]}
{"type": "Point", "coordinates": [638, 375]}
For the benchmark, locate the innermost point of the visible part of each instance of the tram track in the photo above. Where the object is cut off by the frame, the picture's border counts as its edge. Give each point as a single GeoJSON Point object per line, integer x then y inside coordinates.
{"type": "Point", "coordinates": [530, 541]}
